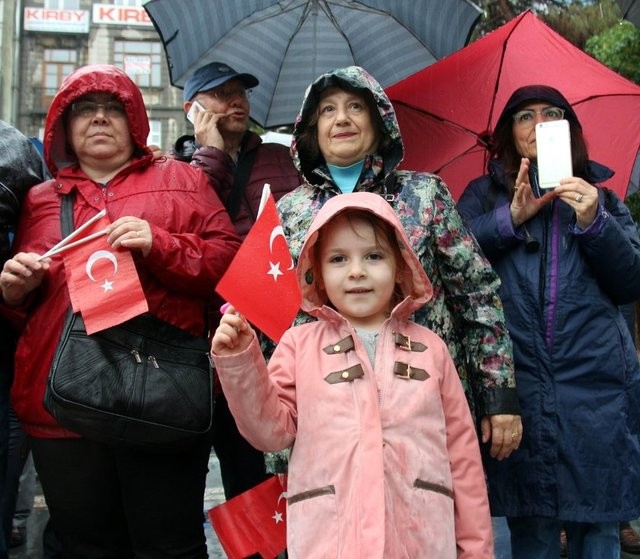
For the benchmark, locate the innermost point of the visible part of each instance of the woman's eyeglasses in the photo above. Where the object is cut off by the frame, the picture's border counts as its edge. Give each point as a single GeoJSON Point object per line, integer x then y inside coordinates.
{"type": "Point", "coordinates": [90, 108]}
{"type": "Point", "coordinates": [527, 117]}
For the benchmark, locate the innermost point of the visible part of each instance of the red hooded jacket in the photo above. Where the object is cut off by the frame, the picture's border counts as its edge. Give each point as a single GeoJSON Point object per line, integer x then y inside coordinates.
{"type": "Point", "coordinates": [193, 240]}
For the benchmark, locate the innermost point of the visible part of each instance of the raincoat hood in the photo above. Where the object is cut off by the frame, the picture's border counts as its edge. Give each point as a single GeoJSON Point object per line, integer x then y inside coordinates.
{"type": "Point", "coordinates": [414, 284]}
{"type": "Point", "coordinates": [349, 78]}
{"type": "Point", "coordinates": [96, 78]}
{"type": "Point", "coordinates": [532, 93]}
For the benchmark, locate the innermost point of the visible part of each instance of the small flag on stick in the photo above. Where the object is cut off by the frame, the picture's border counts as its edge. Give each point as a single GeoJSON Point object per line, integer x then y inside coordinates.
{"type": "Point", "coordinates": [253, 522]}
{"type": "Point", "coordinates": [103, 282]}
{"type": "Point", "coordinates": [261, 280]}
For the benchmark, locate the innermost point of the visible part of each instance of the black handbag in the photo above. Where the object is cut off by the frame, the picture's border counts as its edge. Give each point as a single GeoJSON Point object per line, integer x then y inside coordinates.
{"type": "Point", "coordinates": [144, 382]}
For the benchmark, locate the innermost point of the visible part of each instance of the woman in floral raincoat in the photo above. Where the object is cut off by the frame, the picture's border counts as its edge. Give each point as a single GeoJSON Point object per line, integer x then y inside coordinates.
{"type": "Point", "coordinates": [465, 309]}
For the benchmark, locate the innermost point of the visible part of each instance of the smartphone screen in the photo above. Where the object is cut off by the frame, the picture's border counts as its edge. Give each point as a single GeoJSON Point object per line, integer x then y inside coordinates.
{"type": "Point", "coordinates": [553, 146]}
{"type": "Point", "coordinates": [195, 107]}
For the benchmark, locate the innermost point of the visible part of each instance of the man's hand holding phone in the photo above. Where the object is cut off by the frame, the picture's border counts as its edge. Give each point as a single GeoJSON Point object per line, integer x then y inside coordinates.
{"type": "Point", "coordinates": [196, 107]}
{"type": "Point", "coordinates": [207, 130]}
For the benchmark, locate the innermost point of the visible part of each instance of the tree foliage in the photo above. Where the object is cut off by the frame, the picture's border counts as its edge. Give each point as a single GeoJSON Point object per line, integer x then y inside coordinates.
{"type": "Point", "coordinates": [575, 20]}
{"type": "Point", "coordinates": [578, 21]}
{"type": "Point", "coordinates": [619, 48]}
{"type": "Point", "coordinates": [498, 12]}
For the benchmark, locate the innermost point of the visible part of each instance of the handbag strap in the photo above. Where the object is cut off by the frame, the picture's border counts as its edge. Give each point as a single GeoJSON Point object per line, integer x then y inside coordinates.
{"type": "Point", "coordinates": [243, 171]}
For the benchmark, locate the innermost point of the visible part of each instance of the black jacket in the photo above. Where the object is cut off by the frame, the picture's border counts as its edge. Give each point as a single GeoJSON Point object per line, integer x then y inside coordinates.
{"type": "Point", "coordinates": [20, 168]}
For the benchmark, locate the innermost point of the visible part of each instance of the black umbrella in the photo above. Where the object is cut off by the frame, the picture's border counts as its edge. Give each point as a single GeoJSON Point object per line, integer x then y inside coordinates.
{"type": "Point", "coordinates": [286, 44]}
{"type": "Point", "coordinates": [630, 10]}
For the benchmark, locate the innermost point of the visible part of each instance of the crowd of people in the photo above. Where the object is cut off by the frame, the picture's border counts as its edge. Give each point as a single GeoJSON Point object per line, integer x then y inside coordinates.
{"type": "Point", "coordinates": [450, 362]}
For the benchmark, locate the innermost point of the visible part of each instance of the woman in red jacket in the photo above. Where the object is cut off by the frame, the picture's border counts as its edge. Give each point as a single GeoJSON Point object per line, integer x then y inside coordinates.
{"type": "Point", "coordinates": [109, 501]}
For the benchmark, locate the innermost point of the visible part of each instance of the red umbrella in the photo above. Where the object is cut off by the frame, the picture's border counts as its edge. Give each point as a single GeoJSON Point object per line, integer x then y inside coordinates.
{"type": "Point", "coordinates": [447, 110]}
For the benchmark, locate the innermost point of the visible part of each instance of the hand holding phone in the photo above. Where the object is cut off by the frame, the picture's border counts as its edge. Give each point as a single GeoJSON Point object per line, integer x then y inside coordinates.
{"type": "Point", "coordinates": [195, 108]}
{"type": "Point", "coordinates": [553, 146]}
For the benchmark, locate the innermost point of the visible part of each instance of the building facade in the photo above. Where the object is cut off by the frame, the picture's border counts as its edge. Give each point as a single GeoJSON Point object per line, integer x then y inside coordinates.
{"type": "Point", "coordinates": [51, 38]}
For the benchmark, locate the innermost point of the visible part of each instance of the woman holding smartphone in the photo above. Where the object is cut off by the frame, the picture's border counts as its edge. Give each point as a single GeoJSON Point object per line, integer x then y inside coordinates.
{"type": "Point", "coordinates": [567, 257]}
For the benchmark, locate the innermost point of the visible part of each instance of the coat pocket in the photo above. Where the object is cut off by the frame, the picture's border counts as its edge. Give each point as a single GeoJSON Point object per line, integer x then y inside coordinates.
{"type": "Point", "coordinates": [312, 523]}
{"type": "Point", "coordinates": [434, 504]}
{"type": "Point", "coordinates": [437, 488]}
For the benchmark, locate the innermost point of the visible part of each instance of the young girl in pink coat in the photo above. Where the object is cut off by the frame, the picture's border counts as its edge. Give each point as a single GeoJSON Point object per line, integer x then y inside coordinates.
{"type": "Point", "coordinates": [384, 456]}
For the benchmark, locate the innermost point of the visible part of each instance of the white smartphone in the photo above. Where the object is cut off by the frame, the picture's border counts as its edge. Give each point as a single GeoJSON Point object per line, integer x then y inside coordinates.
{"type": "Point", "coordinates": [195, 107]}
{"type": "Point", "coordinates": [553, 146]}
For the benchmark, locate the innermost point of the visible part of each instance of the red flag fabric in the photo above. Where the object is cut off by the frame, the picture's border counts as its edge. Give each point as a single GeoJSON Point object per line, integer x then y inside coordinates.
{"type": "Point", "coordinates": [103, 282]}
{"type": "Point", "coordinates": [261, 281]}
{"type": "Point", "coordinates": [253, 522]}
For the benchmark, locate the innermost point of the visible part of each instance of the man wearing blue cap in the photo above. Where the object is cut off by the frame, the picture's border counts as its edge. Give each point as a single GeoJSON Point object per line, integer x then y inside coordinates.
{"type": "Point", "coordinates": [239, 165]}
{"type": "Point", "coordinates": [225, 147]}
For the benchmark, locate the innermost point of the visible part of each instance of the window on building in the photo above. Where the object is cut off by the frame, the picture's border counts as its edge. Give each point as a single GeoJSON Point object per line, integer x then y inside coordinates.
{"type": "Point", "coordinates": [58, 64]}
{"type": "Point", "coordinates": [141, 61]}
{"type": "Point", "coordinates": [155, 133]}
{"type": "Point", "coordinates": [133, 3]}
{"type": "Point", "coordinates": [62, 4]}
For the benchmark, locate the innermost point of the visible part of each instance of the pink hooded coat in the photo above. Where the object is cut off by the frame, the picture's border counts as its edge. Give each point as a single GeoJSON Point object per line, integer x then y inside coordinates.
{"type": "Point", "coordinates": [381, 466]}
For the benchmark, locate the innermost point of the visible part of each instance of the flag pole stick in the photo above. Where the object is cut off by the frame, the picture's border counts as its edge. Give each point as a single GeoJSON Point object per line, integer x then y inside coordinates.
{"type": "Point", "coordinates": [266, 190]}
{"type": "Point", "coordinates": [67, 246]}
{"type": "Point", "coordinates": [53, 250]}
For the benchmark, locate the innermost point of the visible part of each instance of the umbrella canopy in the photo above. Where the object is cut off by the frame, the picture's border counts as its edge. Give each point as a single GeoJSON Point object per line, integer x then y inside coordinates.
{"type": "Point", "coordinates": [630, 10]}
{"type": "Point", "coordinates": [287, 44]}
{"type": "Point", "coordinates": [447, 111]}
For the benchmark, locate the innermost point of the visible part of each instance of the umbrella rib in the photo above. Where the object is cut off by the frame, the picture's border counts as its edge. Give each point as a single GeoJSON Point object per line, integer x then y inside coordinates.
{"type": "Point", "coordinates": [172, 37]}
{"type": "Point", "coordinates": [301, 21]}
{"type": "Point", "coordinates": [602, 95]}
{"type": "Point", "coordinates": [368, 9]}
{"type": "Point", "coordinates": [460, 155]}
{"type": "Point", "coordinates": [500, 67]}
{"type": "Point", "coordinates": [284, 7]}
{"type": "Point", "coordinates": [324, 6]}
{"type": "Point", "coordinates": [479, 137]}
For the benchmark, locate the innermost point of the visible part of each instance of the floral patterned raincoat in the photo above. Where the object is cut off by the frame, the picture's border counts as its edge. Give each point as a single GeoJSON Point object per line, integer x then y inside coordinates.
{"type": "Point", "coordinates": [465, 309]}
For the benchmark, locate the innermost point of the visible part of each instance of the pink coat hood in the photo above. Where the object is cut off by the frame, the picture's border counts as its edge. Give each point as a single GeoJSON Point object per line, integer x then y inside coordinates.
{"type": "Point", "coordinates": [96, 78]}
{"type": "Point", "coordinates": [415, 284]}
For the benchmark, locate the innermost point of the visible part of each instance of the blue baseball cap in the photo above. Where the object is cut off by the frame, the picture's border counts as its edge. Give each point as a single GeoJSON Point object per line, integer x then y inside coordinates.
{"type": "Point", "coordinates": [212, 75]}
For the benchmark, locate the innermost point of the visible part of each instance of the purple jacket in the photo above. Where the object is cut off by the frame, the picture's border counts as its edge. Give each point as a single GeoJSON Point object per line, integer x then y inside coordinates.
{"type": "Point", "coordinates": [272, 165]}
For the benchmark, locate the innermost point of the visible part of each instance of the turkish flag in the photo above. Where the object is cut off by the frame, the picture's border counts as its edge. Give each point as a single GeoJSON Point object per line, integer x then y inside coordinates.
{"type": "Point", "coordinates": [253, 522]}
{"type": "Point", "coordinates": [261, 280]}
{"type": "Point", "coordinates": [103, 282]}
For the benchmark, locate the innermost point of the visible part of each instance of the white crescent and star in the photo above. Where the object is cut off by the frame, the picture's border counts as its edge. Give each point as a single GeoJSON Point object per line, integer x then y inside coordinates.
{"type": "Point", "coordinates": [278, 516]}
{"type": "Point", "coordinates": [274, 269]}
{"type": "Point", "coordinates": [101, 255]}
